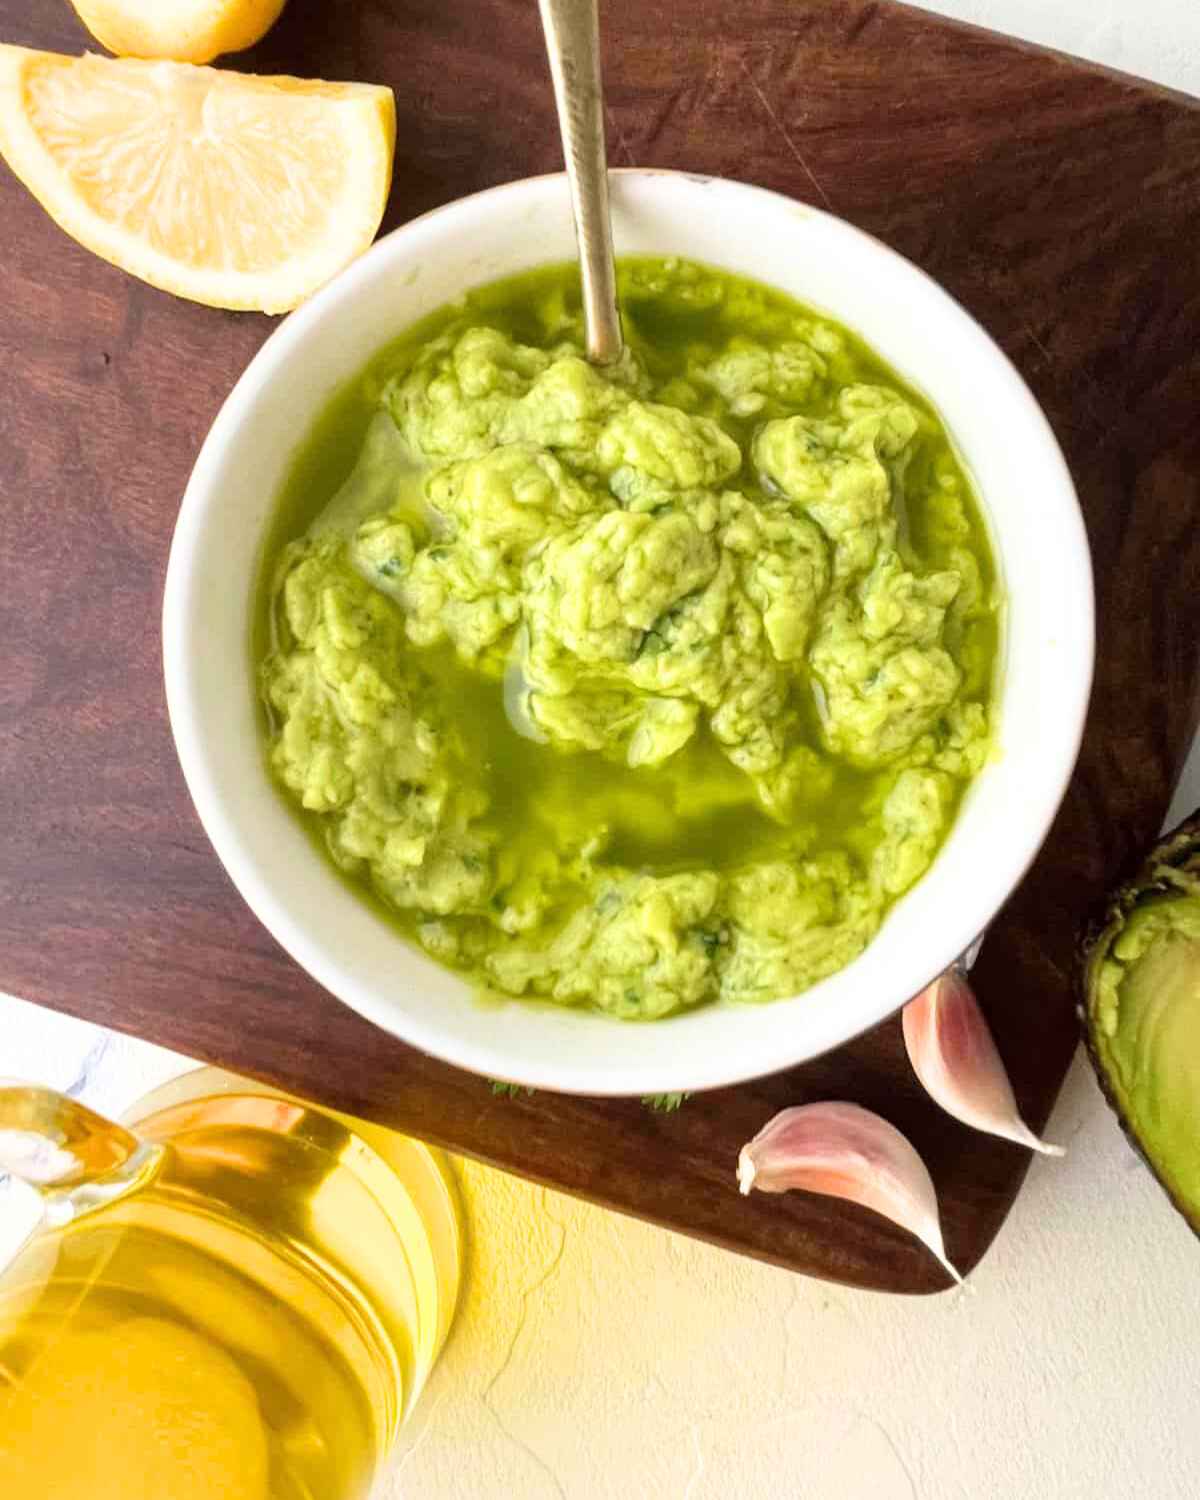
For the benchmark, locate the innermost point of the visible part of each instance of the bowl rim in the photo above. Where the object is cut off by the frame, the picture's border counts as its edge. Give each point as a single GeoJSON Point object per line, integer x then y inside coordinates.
{"type": "Point", "coordinates": [271, 909]}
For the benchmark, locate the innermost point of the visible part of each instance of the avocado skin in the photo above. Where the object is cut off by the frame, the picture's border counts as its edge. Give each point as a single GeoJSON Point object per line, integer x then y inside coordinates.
{"type": "Point", "coordinates": [1177, 850]}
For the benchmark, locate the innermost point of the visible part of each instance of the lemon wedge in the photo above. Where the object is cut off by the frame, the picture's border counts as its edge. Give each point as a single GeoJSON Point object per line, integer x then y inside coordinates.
{"type": "Point", "coordinates": [187, 30]}
{"type": "Point", "coordinates": [233, 190]}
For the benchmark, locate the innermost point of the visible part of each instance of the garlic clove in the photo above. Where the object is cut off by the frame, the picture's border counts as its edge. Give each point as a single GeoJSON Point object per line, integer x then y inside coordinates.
{"type": "Point", "coordinates": [954, 1055]}
{"type": "Point", "coordinates": [844, 1151]}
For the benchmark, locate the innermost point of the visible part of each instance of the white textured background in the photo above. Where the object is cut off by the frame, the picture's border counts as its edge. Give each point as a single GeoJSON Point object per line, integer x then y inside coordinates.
{"type": "Point", "coordinates": [595, 1357]}
{"type": "Point", "coordinates": [1157, 39]}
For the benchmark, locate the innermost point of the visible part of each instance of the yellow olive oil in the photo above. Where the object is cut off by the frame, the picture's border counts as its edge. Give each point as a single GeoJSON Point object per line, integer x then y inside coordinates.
{"type": "Point", "coordinates": [252, 1322]}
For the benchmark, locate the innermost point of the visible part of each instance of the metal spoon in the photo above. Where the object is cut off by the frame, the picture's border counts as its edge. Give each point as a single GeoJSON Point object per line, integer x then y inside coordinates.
{"type": "Point", "coordinates": [572, 30]}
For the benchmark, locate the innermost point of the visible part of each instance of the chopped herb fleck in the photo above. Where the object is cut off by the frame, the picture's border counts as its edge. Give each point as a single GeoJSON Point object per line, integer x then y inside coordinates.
{"type": "Point", "coordinates": [510, 1090]}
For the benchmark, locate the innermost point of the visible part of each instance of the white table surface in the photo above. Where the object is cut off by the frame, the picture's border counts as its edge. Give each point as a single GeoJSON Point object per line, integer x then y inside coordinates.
{"type": "Point", "coordinates": [596, 1357]}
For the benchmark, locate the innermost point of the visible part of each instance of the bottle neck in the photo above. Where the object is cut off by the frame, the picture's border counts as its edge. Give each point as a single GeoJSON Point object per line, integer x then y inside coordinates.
{"type": "Point", "coordinates": [73, 1157]}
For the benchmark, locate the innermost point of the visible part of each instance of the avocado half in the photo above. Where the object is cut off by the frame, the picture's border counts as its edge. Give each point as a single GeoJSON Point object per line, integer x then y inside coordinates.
{"type": "Point", "coordinates": [1140, 1007]}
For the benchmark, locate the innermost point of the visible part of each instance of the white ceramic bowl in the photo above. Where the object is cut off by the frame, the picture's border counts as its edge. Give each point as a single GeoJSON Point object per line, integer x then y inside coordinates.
{"type": "Point", "coordinates": [1002, 437]}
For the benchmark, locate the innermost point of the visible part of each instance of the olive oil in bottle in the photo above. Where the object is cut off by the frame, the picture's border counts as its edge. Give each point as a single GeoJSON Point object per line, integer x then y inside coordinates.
{"type": "Point", "coordinates": [251, 1321]}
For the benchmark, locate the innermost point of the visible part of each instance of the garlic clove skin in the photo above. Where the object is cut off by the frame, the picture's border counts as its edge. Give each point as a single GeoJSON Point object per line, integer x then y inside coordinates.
{"type": "Point", "coordinates": [953, 1053]}
{"type": "Point", "coordinates": [845, 1151]}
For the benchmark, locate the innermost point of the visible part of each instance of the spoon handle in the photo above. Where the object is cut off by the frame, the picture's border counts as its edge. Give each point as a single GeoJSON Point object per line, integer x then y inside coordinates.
{"type": "Point", "coordinates": [572, 30]}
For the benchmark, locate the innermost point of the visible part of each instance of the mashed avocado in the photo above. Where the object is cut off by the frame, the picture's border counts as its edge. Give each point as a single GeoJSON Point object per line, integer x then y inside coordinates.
{"type": "Point", "coordinates": [636, 687]}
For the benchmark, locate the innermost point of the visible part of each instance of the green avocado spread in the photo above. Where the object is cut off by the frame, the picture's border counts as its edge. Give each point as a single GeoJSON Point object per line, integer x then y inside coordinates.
{"type": "Point", "coordinates": [636, 687]}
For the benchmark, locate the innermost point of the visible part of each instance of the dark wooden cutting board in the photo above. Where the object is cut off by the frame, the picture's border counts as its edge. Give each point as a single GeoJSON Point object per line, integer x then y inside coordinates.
{"type": "Point", "coordinates": [1060, 203]}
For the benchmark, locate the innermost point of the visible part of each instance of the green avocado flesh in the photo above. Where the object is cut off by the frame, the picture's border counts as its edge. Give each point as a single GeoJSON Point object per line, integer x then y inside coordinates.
{"type": "Point", "coordinates": [1143, 1014]}
{"type": "Point", "coordinates": [636, 687]}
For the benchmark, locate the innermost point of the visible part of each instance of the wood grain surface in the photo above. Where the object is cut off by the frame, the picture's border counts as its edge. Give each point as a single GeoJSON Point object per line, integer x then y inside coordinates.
{"type": "Point", "coordinates": [1061, 204]}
